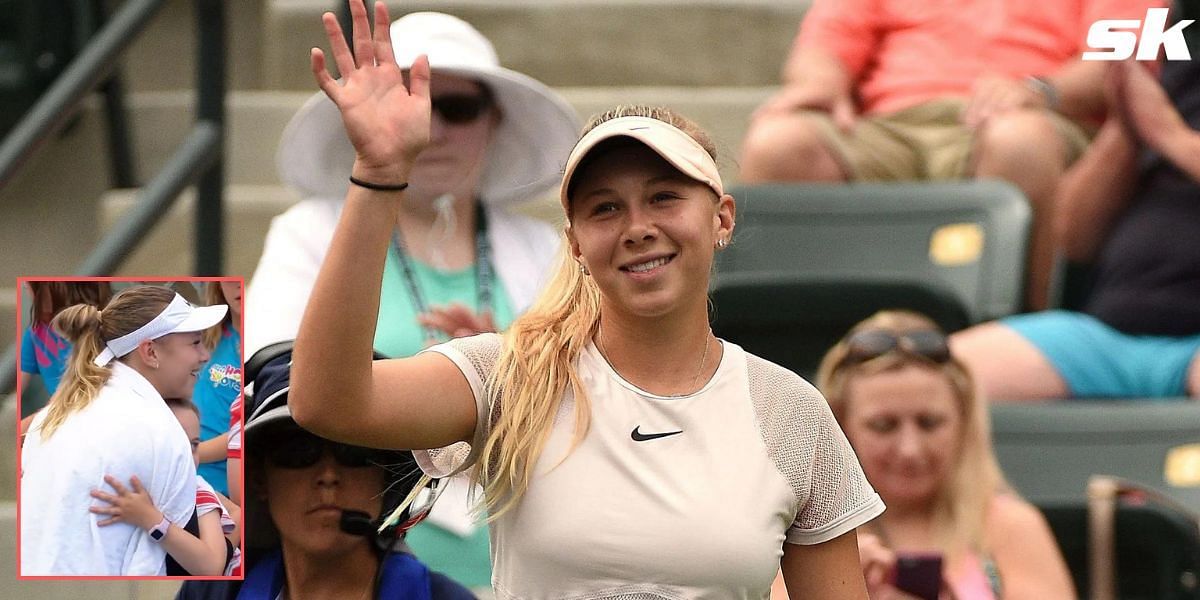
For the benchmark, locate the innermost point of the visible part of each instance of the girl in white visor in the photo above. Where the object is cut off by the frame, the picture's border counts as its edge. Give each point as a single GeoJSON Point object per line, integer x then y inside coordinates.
{"type": "Point", "coordinates": [625, 452]}
{"type": "Point", "coordinates": [108, 417]}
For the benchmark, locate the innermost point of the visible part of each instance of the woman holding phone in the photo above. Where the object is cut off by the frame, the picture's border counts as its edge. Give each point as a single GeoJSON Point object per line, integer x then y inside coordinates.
{"type": "Point", "coordinates": [912, 413]}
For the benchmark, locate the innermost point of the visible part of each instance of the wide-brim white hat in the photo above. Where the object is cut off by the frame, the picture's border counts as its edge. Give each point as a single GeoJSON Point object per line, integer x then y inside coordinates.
{"type": "Point", "coordinates": [528, 147]}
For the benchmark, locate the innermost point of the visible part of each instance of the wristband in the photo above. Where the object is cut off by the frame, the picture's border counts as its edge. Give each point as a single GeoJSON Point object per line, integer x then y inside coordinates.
{"type": "Point", "coordinates": [379, 187]}
{"type": "Point", "coordinates": [158, 532]}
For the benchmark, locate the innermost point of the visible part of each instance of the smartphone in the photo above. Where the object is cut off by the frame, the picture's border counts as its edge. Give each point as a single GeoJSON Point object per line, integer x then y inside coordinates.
{"type": "Point", "coordinates": [919, 574]}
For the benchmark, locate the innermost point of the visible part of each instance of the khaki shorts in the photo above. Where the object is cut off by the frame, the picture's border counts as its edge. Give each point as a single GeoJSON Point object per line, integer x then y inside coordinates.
{"type": "Point", "coordinates": [926, 142]}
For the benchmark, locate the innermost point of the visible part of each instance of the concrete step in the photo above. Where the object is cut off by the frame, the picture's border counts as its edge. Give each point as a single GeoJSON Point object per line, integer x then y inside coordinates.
{"type": "Point", "coordinates": [581, 42]}
{"type": "Point", "coordinates": [10, 587]}
{"type": "Point", "coordinates": [47, 211]}
{"type": "Point", "coordinates": [163, 57]}
{"type": "Point", "coordinates": [723, 112]}
{"type": "Point", "coordinates": [257, 119]}
{"type": "Point", "coordinates": [168, 250]}
{"type": "Point", "coordinates": [8, 466]}
{"type": "Point", "coordinates": [8, 316]}
{"type": "Point", "coordinates": [51, 211]}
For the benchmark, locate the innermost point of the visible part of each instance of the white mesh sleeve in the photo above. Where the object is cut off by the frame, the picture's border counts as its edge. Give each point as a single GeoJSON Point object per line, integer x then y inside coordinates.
{"type": "Point", "coordinates": [476, 357]}
{"type": "Point", "coordinates": [810, 450]}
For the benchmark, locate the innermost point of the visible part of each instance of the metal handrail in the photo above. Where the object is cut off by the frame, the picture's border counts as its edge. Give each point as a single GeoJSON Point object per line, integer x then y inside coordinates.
{"type": "Point", "coordinates": [199, 159]}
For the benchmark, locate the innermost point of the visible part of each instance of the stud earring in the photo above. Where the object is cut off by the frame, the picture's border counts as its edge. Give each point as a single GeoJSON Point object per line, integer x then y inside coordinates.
{"type": "Point", "coordinates": [583, 269]}
{"type": "Point", "coordinates": [721, 243]}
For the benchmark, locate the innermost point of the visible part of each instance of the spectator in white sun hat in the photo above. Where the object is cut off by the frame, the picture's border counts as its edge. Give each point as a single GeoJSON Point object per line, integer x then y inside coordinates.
{"type": "Point", "coordinates": [108, 417]}
{"type": "Point", "coordinates": [458, 261]}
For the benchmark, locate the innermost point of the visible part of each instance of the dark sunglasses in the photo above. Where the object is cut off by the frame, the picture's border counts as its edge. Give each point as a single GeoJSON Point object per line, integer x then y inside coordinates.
{"type": "Point", "coordinates": [301, 450]}
{"type": "Point", "coordinates": [458, 109]}
{"type": "Point", "coordinates": [925, 343]}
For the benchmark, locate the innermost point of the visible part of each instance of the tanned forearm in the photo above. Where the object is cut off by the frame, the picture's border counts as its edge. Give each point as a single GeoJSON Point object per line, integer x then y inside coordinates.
{"type": "Point", "coordinates": [1183, 150]}
{"type": "Point", "coordinates": [199, 556]}
{"type": "Point", "coordinates": [331, 378]}
{"type": "Point", "coordinates": [1094, 192]}
{"type": "Point", "coordinates": [1080, 90]}
{"type": "Point", "coordinates": [214, 449]}
{"type": "Point", "coordinates": [813, 66]}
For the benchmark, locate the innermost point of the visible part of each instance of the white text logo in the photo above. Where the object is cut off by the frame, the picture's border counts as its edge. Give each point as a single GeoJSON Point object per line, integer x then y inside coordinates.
{"type": "Point", "coordinates": [1115, 44]}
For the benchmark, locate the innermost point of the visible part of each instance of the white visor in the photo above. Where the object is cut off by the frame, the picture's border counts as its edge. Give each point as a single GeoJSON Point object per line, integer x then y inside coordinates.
{"type": "Point", "coordinates": [673, 144]}
{"type": "Point", "coordinates": [178, 317]}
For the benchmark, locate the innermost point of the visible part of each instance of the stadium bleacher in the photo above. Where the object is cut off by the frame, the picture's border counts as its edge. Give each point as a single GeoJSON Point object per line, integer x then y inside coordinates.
{"type": "Point", "coordinates": [810, 261]}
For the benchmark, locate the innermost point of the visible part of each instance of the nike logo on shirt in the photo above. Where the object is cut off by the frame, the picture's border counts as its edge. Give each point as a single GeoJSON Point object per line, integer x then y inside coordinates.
{"type": "Point", "coordinates": [638, 436]}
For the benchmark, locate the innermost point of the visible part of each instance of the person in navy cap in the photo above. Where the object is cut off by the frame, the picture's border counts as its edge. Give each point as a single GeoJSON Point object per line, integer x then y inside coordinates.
{"type": "Point", "coordinates": [315, 507]}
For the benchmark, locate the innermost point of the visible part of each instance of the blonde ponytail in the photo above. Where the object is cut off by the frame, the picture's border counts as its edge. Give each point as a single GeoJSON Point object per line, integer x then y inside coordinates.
{"type": "Point", "coordinates": [530, 380]}
{"type": "Point", "coordinates": [82, 380]}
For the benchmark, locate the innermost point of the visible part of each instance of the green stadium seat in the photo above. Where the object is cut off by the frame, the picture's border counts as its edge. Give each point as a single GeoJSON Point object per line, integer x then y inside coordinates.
{"type": "Point", "coordinates": [1156, 549]}
{"type": "Point", "coordinates": [810, 260]}
{"type": "Point", "coordinates": [1048, 451]}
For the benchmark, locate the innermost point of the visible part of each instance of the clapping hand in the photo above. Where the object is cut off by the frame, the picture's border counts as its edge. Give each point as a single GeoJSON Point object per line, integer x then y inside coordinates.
{"type": "Point", "coordinates": [457, 320]}
{"type": "Point", "coordinates": [387, 122]}
{"type": "Point", "coordinates": [1138, 101]}
{"type": "Point", "coordinates": [797, 97]}
{"type": "Point", "coordinates": [993, 95]}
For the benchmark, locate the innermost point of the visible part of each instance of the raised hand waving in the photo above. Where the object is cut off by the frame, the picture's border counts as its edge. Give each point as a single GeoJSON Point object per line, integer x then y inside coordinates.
{"type": "Point", "coordinates": [386, 121]}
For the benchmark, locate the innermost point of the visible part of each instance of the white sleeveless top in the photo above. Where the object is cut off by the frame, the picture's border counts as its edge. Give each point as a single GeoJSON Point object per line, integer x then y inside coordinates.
{"type": "Point", "coordinates": [668, 497]}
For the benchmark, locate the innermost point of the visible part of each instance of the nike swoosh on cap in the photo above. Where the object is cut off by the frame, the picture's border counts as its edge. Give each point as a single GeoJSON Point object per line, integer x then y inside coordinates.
{"type": "Point", "coordinates": [638, 436]}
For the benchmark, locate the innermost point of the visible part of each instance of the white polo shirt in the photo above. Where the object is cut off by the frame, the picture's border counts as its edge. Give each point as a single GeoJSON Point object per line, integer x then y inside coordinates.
{"type": "Point", "coordinates": [668, 497]}
{"type": "Point", "coordinates": [126, 430]}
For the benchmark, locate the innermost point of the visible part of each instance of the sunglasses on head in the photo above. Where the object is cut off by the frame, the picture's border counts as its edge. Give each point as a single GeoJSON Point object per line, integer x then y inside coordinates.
{"type": "Point", "coordinates": [301, 450]}
{"type": "Point", "coordinates": [458, 109]}
{"type": "Point", "coordinates": [925, 343]}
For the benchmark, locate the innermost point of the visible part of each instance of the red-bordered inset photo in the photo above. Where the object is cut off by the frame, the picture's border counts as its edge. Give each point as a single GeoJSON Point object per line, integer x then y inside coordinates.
{"type": "Point", "coordinates": [128, 444]}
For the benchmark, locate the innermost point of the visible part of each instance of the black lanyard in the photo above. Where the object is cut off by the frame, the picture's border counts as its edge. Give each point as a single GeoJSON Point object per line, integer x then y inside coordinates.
{"type": "Point", "coordinates": [483, 271]}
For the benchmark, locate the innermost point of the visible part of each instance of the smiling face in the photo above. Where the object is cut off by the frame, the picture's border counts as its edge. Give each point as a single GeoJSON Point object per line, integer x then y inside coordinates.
{"type": "Point", "coordinates": [645, 231]}
{"type": "Point", "coordinates": [906, 426]}
{"type": "Point", "coordinates": [306, 503]}
{"type": "Point", "coordinates": [457, 152]}
{"type": "Point", "coordinates": [179, 358]}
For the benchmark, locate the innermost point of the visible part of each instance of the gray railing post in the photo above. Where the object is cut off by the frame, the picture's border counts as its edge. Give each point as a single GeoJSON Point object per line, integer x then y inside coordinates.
{"type": "Point", "coordinates": [198, 159]}
{"type": "Point", "coordinates": [210, 108]}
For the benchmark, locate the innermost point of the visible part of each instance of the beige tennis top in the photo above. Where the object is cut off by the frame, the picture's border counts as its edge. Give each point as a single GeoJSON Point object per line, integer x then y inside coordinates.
{"type": "Point", "coordinates": [668, 497]}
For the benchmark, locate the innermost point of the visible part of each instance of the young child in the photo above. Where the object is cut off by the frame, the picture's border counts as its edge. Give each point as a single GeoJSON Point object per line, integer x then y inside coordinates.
{"type": "Point", "coordinates": [203, 555]}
